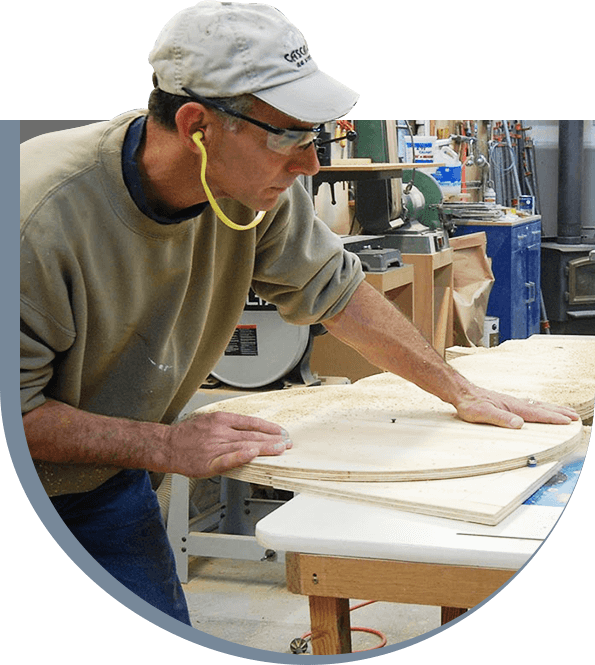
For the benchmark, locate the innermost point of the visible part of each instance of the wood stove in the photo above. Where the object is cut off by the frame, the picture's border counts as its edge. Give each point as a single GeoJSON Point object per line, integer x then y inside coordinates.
{"type": "Point", "coordinates": [568, 262]}
{"type": "Point", "coordinates": [568, 286]}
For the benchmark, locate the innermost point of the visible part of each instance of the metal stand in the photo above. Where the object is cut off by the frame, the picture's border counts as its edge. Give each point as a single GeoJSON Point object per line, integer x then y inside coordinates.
{"type": "Point", "coordinates": [231, 515]}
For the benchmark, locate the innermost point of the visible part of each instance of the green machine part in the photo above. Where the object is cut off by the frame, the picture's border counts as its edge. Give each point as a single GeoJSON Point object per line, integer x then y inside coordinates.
{"type": "Point", "coordinates": [371, 140]}
{"type": "Point", "coordinates": [432, 195]}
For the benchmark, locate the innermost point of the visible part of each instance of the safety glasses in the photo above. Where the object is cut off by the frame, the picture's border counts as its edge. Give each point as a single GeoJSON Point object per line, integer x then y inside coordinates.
{"type": "Point", "coordinates": [279, 140]}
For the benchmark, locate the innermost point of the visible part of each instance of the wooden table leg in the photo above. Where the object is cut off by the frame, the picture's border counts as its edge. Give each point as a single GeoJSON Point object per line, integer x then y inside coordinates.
{"type": "Point", "coordinates": [330, 625]}
{"type": "Point", "coordinates": [450, 613]}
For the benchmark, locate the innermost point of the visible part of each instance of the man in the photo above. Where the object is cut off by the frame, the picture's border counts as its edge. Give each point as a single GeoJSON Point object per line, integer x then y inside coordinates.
{"type": "Point", "coordinates": [134, 274]}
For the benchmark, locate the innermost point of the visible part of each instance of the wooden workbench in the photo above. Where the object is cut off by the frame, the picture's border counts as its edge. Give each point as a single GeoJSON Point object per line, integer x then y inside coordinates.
{"type": "Point", "coordinates": [329, 582]}
{"type": "Point", "coordinates": [388, 555]}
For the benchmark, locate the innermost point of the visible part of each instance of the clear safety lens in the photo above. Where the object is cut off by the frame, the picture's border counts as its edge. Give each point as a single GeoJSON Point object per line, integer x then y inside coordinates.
{"type": "Point", "coordinates": [292, 139]}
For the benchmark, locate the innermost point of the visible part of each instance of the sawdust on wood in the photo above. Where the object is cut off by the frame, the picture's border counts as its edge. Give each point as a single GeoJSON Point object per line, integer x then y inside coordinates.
{"type": "Point", "coordinates": [549, 368]}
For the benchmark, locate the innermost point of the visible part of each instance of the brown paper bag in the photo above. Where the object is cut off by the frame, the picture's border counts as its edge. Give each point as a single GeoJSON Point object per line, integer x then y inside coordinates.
{"type": "Point", "coordinates": [473, 280]}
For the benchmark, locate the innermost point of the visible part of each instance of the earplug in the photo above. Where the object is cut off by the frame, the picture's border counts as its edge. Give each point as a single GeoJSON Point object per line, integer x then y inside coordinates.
{"type": "Point", "coordinates": [197, 138]}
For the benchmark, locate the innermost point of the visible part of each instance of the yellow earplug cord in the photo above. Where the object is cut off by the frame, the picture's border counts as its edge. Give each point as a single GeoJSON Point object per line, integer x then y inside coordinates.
{"type": "Point", "coordinates": [196, 137]}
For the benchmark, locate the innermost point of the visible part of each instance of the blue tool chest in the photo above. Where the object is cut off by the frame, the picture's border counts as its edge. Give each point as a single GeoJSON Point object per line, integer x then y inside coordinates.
{"type": "Point", "coordinates": [515, 250]}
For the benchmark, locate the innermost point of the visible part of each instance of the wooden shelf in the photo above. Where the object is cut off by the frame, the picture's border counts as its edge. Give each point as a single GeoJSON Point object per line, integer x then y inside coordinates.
{"type": "Point", "coordinates": [330, 357]}
{"type": "Point", "coordinates": [374, 171]}
{"type": "Point", "coordinates": [376, 166]}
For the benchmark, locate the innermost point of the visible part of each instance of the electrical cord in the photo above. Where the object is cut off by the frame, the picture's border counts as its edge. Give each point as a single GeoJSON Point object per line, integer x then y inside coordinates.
{"type": "Point", "coordinates": [410, 184]}
{"type": "Point", "coordinates": [196, 137]}
{"type": "Point", "coordinates": [300, 644]}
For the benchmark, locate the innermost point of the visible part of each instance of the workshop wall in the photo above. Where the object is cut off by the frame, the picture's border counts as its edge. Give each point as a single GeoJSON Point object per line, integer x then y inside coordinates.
{"type": "Point", "coordinates": [473, 177]}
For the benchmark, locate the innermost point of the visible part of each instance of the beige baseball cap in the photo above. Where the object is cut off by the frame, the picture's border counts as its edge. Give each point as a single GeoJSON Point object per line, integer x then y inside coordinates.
{"type": "Point", "coordinates": [225, 49]}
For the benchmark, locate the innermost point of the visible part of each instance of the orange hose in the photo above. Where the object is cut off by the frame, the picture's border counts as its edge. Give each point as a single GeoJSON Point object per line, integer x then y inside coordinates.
{"type": "Point", "coordinates": [360, 629]}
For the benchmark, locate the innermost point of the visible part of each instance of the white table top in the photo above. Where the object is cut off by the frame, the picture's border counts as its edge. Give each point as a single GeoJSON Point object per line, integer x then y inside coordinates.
{"type": "Point", "coordinates": [318, 525]}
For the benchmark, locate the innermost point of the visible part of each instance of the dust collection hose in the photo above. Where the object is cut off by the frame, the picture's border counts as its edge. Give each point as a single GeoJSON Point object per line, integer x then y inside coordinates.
{"type": "Point", "coordinates": [196, 137]}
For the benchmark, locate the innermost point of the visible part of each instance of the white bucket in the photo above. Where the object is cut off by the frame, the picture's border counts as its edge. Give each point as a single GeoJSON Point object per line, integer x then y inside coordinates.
{"type": "Point", "coordinates": [448, 176]}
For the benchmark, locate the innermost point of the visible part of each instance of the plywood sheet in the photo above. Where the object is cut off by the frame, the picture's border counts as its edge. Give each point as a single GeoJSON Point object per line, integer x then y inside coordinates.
{"type": "Point", "coordinates": [480, 499]}
{"type": "Point", "coordinates": [384, 429]}
{"type": "Point", "coordinates": [486, 499]}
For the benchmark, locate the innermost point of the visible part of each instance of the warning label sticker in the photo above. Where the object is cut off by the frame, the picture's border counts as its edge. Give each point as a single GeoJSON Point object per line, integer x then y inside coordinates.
{"type": "Point", "coordinates": [243, 342]}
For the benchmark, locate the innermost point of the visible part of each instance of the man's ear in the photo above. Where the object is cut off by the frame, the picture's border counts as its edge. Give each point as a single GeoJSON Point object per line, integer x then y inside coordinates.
{"type": "Point", "coordinates": [190, 119]}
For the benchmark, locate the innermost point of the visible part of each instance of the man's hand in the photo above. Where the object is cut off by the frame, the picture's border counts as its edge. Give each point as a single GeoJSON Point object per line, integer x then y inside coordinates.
{"type": "Point", "coordinates": [208, 444]}
{"type": "Point", "coordinates": [486, 406]}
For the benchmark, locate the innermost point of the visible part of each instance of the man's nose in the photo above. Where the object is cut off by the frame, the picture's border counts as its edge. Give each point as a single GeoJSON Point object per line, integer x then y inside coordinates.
{"type": "Point", "coordinates": [305, 162]}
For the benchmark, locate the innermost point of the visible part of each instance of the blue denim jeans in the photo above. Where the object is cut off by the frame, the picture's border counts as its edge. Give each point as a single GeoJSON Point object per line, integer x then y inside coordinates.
{"type": "Point", "coordinates": [120, 525]}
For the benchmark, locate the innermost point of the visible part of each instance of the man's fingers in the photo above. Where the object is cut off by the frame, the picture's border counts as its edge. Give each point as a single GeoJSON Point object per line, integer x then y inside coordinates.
{"type": "Point", "coordinates": [231, 460]}
{"type": "Point", "coordinates": [550, 413]}
{"type": "Point", "coordinates": [253, 424]}
{"type": "Point", "coordinates": [513, 413]}
{"type": "Point", "coordinates": [489, 414]}
{"type": "Point", "coordinates": [207, 444]}
{"type": "Point", "coordinates": [252, 429]}
{"type": "Point", "coordinates": [245, 452]}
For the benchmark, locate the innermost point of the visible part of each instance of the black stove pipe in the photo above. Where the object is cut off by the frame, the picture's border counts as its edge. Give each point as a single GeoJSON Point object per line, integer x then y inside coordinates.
{"type": "Point", "coordinates": [570, 166]}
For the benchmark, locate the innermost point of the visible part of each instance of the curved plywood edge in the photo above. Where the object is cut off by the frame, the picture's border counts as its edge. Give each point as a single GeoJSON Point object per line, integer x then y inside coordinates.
{"type": "Point", "coordinates": [413, 449]}
{"type": "Point", "coordinates": [480, 499]}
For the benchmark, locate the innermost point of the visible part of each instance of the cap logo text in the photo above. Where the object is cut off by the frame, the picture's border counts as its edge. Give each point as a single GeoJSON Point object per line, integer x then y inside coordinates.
{"type": "Point", "coordinates": [299, 56]}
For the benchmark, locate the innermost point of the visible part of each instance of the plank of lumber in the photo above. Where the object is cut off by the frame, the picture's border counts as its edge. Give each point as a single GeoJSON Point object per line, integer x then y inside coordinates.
{"type": "Point", "coordinates": [394, 581]}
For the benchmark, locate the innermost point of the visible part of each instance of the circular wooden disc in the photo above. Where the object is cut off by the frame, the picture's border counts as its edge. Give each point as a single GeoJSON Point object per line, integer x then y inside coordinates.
{"type": "Point", "coordinates": [377, 433]}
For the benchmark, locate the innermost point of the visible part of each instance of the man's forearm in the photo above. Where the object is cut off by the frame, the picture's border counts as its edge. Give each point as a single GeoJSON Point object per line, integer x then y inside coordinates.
{"type": "Point", "coordinates": [57, 432]}
{"type": "Point", "coordinates": [201, 446]}
{"type": "Point", "coordinates": [385, 337]}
